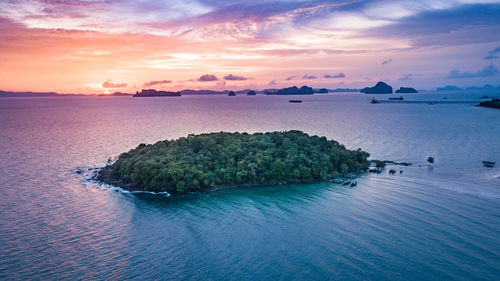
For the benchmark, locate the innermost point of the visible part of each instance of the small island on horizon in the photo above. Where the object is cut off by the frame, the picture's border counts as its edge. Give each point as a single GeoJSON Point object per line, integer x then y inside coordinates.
{"type": "Point", "coordinates": [207, 161]}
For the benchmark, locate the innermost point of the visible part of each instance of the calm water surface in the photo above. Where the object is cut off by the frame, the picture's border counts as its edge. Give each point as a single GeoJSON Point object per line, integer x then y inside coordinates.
{"type": "Point", "coordinates": [437, 223]}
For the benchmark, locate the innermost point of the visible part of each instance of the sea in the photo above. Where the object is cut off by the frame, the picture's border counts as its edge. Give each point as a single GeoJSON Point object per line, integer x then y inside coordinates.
{"type": "Point", "coordinates": [437, 221]}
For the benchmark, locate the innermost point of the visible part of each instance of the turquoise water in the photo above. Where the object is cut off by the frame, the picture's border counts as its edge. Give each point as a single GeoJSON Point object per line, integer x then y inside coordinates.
{"type": "Point", "coordinates": [429, 223]}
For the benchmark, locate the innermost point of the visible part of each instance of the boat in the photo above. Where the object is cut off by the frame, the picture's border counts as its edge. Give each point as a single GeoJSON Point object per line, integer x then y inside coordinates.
{"type": "Point", "coordinates": [400, 98]}
{"type": "Point", "coordinates": [338, 180]}
{"type": "Point", "coordinates": [295, 101]}
{"type": "Point", "coordinates": [374, 101]}
{"type": "Point", "coordinates": [352, 175]}
{"type": "Point", "coordinates": [489, 164]}
{"type": "Point", "coordinates": [354, 183]}
{"type": "Point", "coordinates": [347, 183]}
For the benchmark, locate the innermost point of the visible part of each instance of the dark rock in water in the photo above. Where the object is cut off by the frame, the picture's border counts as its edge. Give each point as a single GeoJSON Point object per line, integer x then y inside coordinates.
{"type": "Point", "coordinates": [231, 94]}
{"type": "Point", "coordinates": [403, 90]}
{"type": "Point", "coordinates": [380, 88]}
{"type": "Point", "coordinates": [493, 103]}
{"type": "Point", "coordinates": [155, 93]}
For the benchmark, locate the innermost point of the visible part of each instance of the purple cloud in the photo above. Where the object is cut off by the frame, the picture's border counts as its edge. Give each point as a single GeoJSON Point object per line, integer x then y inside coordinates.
{"type": "Point", "coordinates": [387, 61]}
{"type": "Point", "coordinates": [309, 77]}
{"type": "Point", "coordinates": [492, 54]}
{"type": "Point", "coordinates": [207, 78]}
{"type": "Point", "coordinates": [109, 84]}
{"type": "Point", "coordinates": [340, 75]}
{"type": "Point", "coordinates": [291, 78]}
{"type": "Point", "coordinates": [231, 77]}
{"type": "Point", "coordinates": [487, 71]}
{"type": "Point", "coordinates": [159, 82]}
{"type": "Point", "coordinates": [406, 77]}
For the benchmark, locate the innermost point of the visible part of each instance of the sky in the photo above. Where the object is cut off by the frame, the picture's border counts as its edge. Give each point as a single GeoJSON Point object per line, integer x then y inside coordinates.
{"type": "Point", "coordinates": [104, 46]}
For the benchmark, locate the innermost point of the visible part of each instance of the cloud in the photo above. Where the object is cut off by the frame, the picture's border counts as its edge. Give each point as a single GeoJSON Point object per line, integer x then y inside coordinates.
{"type": "Point", "coordinates": [231, 77]}
{"type": "Point", "coordinates": [490, 57]}
{"type": "Point", "coordinates": [309, 77]}
{"type": "Point", "coordinates": [495, 51]}
{"type": "Point", "coordinates": [387, 61]}
{"type": "Point", "coordinates": [290, 78]}
{"type": "Point", "coordinates": [340, 75]}
{"type": "Point", "coordinates": [445, 23]}
{"type": "Point", "coordinates": [492, 54]}
{"type": "Point", "coordinates": [487, 71]}
{"type": "Point", "coordinates": [272, 83]}
{"type": "Point", "coordinates": [406, 77]}
{"type": "Point", "coordinates": [207, 78]}
{"type": "Point", "coordinates": [159, 82]}
{"type": "Point", "coordinates": [109, 84]}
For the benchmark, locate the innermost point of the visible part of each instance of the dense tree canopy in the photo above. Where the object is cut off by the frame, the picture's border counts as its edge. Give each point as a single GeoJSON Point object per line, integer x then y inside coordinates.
{"type": "Point", "coordinates": [200, 162]}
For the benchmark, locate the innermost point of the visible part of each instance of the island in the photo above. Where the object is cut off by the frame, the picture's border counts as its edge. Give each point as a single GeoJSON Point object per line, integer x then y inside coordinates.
{"type": "Point", "coordinates": [231, 94]}
{"type": "Point", "coordinates": [379, 88]}
{"type": "Point", "coordinates": [214, 160]}
{"type": "Point", "coordinates": [116, 94]}
{"type": "Point", "coordinates": [251, 93]}
{"type": "Point", "coordinates": [493, 103]}
{"type": "Point", "coordinates": [405, 90]}
{"type": "Point", "coordinates": [155, 93]}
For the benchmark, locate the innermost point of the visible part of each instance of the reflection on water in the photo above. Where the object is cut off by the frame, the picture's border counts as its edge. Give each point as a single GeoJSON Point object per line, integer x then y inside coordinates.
{"type": "Point", "coordinates": [440, 223]}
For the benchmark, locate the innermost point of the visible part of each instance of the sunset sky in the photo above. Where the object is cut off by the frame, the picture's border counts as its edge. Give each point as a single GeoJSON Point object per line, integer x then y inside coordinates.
{"type": "Point", "coordinates": [96, 46]}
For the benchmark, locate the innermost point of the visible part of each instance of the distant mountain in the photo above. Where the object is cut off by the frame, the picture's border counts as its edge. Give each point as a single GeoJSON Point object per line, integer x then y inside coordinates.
{"type": "Point", "coordinates": [379, 88]}
{"type": "Point", "coordinates": [450, 88]}
{"type": "Point", "coordinates": [155, 93]}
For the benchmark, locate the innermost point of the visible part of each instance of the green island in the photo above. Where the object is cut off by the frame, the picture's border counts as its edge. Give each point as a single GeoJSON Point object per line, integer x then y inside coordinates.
{"type": "Point", "coordinates": [207, 161]}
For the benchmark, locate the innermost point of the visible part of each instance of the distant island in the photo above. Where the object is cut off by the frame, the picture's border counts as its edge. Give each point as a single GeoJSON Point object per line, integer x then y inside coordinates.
{"type": "Point", "coordinates": [493, 103]}
{"type": "Point", "coordinates": [155, 93]}
{"type": "Point", "coordinates": [8, 94]}
{"type": "Point", "coordinates": [116, 94]}
{"type": "Point", "coordinates": [379, 88]}
{"type": "Point", "coordinates": [207, 161]}
{"type": "Point", "coordinates": [405, 90]}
